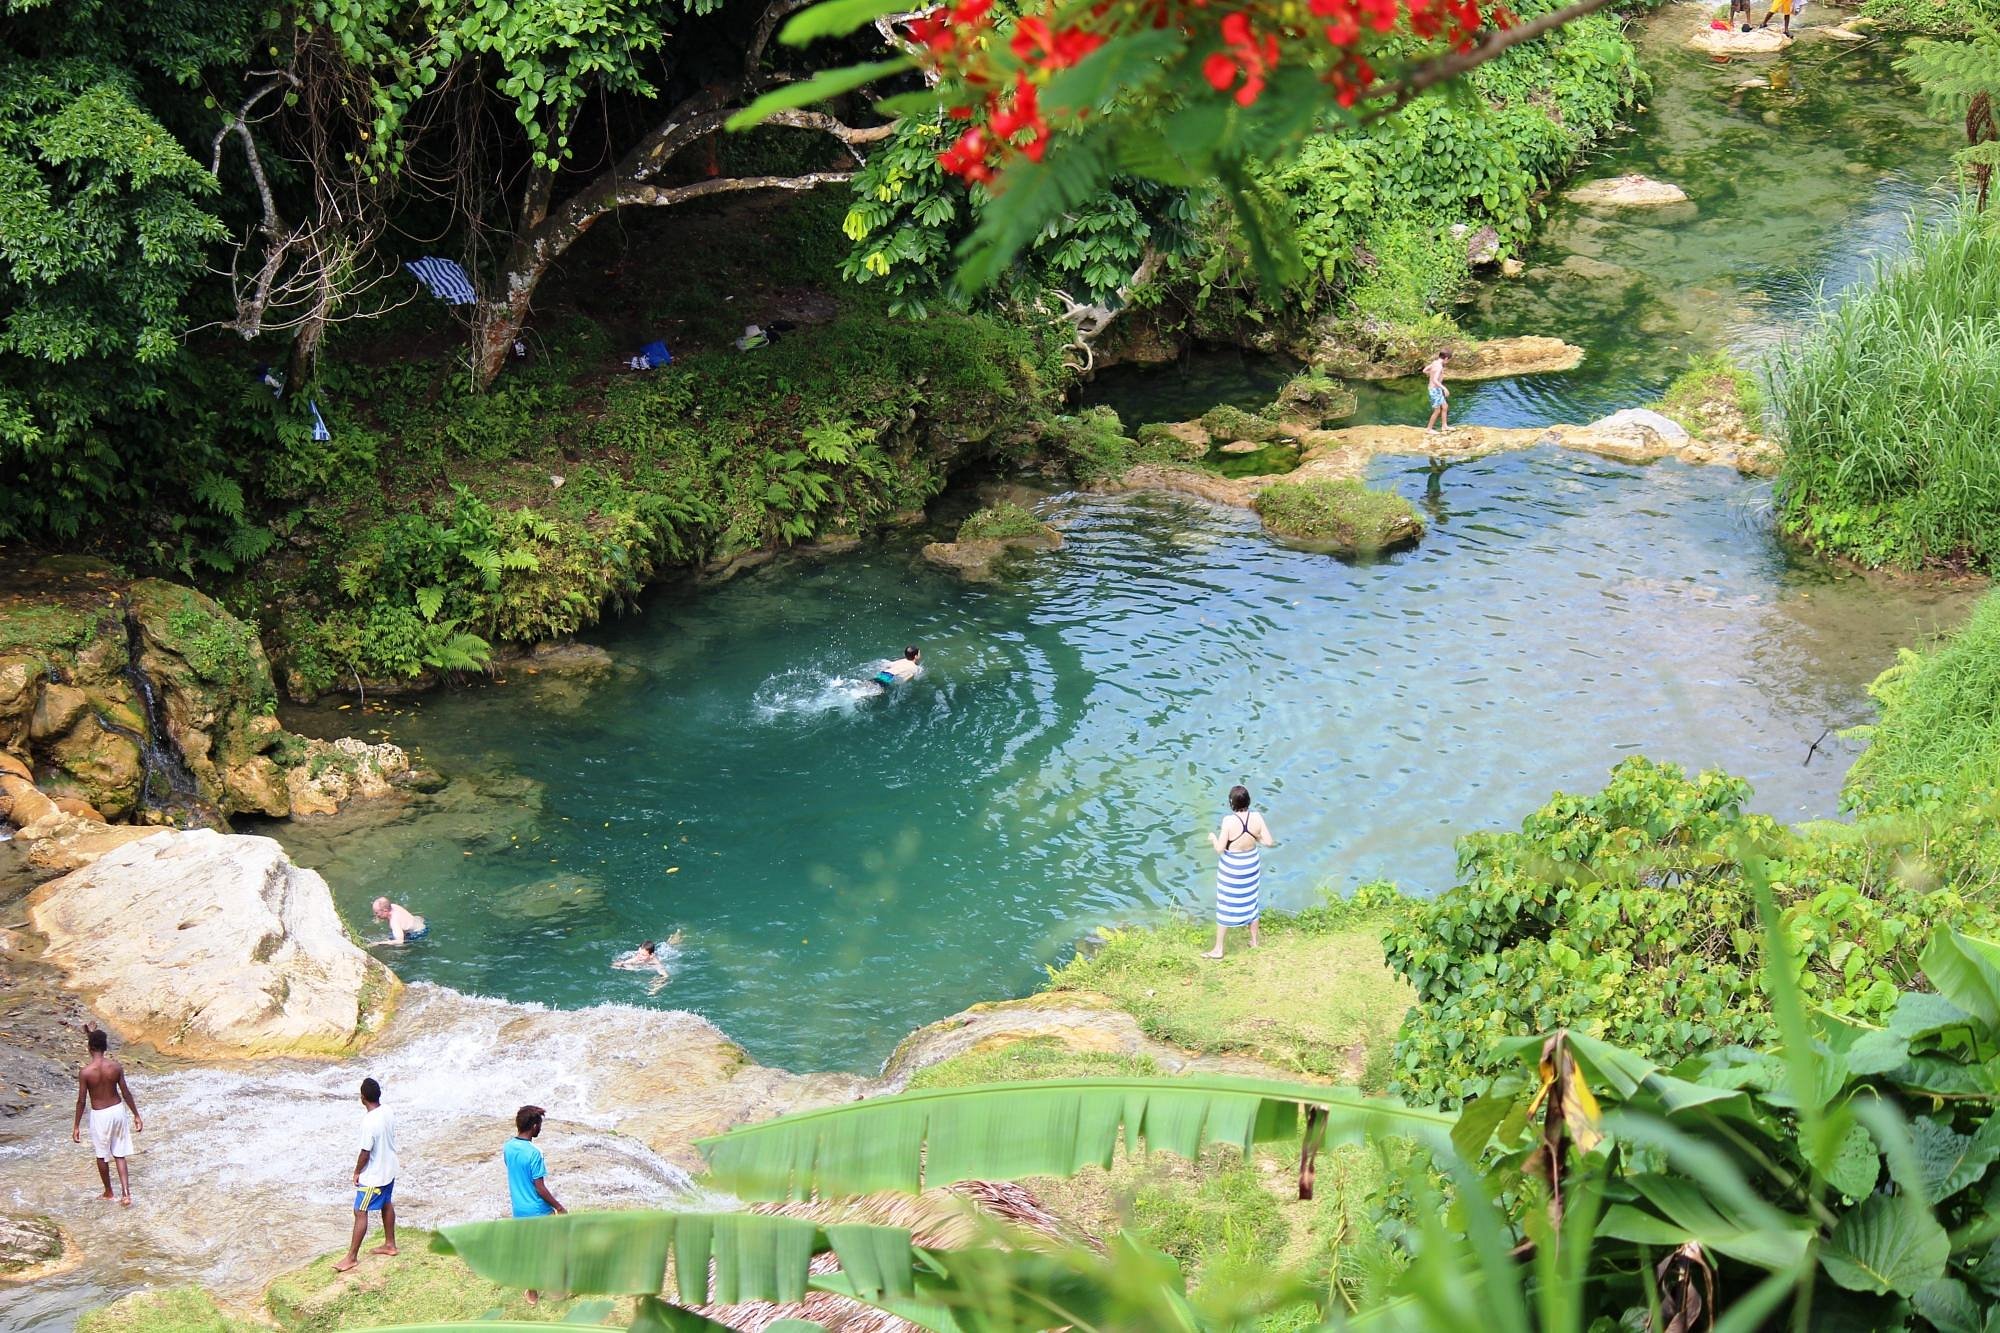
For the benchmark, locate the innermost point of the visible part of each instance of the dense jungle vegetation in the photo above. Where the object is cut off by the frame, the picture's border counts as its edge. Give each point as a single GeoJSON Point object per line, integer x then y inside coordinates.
{"type": "Point", "coordinates": [209, 203]}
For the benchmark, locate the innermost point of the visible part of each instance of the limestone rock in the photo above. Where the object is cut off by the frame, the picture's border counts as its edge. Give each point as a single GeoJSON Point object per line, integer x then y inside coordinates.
{"type": "Point", "coordinates": [1498, 358]}
{"type": "Point", "coordinates": [1481, 246]}
{"type": "Point", "coordinates": [337, 772]}
{"type": "Point", "coordinates": [211, 945]}
{"type": "Point", "coordinates": [102, 766]}
{"type": "Point", "coordinates": [258, 784]}
{"type": "Point", "coordinates": [1242, 447]}
{"type": "Point", "coordinates": [32, 1247]}
{"type": "Point", "coordinates": [1626, 192]}
{"type": "Point", "coordinates": [1595, 270]}
{"type": "Point", "coordinates": [56, 711]}
{"type": "Point", "coordinates": [1646, 425]}
{"type": "Point", "coordinates": [1512, 268]}
{"type": "Point", "coordinates": [583, 660]}
{"type": "Point", "coordinates": [20, 687]}
{"type": "Point", "coordinates": [60, 842]}
{"type": "Point", "coordinates": [975, 559]}
{"type": "Point", "coordinates": [1730, 42]}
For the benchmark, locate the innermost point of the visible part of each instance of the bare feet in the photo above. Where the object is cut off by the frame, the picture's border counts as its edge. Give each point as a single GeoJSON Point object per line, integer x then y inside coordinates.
{"type": "Point", "coordinates": [1212, 953]}
{"type": "Point", "coordinates": [125, 1202]}
{"type": "Point", "coordinates": [346, 1265]}
{"type": "Point", "coordinates": [385, 1249]}
{"type": "Point", "coordinates": [107, 1196]}
{"type": "Point", "coordinates": [534, 1298]}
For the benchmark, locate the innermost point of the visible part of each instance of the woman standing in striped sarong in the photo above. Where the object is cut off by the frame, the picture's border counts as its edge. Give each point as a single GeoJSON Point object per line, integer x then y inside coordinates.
{"type": "Point", "coordinates": [1239, 876]}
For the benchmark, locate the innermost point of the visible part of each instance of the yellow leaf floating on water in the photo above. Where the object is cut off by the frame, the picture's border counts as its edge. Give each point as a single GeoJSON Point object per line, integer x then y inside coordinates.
{"type": "Point", "coordinates": [673, 870]}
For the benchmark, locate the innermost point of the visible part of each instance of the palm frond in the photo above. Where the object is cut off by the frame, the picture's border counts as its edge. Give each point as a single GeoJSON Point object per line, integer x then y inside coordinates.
{"type": "Point", "coordinates": [755, 1257]}
{"type": "Point", "coordinates": [1004, 1131]}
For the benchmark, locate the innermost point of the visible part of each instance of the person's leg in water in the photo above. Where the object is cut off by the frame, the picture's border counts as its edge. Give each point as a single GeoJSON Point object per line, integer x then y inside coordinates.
{"type": "Point", "coordinates": [388, 1245]}
{"type": "Point", "coordinates": [124, 1184]}
{"type": "Point", "coordinates": [104, 1174]}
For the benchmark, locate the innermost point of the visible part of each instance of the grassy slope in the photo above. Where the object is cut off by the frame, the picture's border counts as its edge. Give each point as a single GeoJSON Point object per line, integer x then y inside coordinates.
{"type": "Point", "coordinates": [1316, 999]}
{"type": "Point", "coordinates": [415, 1287]}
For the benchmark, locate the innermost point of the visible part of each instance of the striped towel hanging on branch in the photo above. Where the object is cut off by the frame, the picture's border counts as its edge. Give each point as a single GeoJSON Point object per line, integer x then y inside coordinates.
{"type": "Point", "coordinates": [446, 280]}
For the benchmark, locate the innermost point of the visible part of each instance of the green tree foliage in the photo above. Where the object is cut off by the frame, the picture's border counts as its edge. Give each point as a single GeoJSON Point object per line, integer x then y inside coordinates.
{"type": "Point", "coordinates": [1627, 914]}
{"type": "Point", "coordinates": [106, 223]}
{"type": "Point", "coordinates": [908, 219]}
{"type": "Point", "coordinates": [1887, 405]}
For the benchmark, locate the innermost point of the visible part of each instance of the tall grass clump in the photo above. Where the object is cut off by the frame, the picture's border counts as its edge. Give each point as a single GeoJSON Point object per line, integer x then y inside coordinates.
{"type": "Point", "coordinates": [1890, 403]}
{"type": "Point", "coordinates": [1938, 737]}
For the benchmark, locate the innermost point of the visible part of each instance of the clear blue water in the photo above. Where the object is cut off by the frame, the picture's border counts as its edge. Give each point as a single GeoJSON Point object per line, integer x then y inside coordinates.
{"type": "Point", "coordinates": [848, 865]}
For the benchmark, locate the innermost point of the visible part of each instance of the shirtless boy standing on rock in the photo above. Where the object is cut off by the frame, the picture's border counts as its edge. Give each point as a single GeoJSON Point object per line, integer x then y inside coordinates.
{"type": "Point", "coordinates": [102, 1082]}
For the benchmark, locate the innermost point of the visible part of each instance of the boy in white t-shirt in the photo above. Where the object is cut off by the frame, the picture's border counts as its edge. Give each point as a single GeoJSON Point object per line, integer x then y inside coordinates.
{"type": "Point", "coordinates": [374, 1176]}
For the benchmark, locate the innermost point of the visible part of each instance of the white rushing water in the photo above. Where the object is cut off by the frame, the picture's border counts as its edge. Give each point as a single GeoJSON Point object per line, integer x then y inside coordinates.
{"type": "Point", "coordinates": [243, 1171]}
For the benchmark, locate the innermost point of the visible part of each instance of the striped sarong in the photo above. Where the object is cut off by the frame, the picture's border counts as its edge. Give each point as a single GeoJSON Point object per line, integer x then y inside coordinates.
{"type": "Point", "coordinates": [1238, 877]}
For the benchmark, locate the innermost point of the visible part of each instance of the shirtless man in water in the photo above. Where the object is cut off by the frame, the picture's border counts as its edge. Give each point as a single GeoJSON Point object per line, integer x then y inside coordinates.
{"type": "Point", "coordinates": [102, 1083]}
{"type": "Point", "coordinates": [404, 925]}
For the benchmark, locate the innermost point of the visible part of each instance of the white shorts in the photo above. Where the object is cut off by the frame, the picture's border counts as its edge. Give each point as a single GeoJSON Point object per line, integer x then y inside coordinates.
{"type": "Point", "coordinates": [110, 1132]}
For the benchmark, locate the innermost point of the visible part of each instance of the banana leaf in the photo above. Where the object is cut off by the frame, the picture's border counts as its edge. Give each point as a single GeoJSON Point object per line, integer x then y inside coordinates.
{"type": "Point", "coordinates": [755, 1257]}
{"type": "Point", "coordinates": [1004, 1131]}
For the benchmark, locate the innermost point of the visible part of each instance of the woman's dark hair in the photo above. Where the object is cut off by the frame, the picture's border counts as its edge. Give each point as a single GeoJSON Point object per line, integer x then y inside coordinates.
{"type": "Point", "coordinates": [647, 947]}
{"type": "Point", "coordinates": [1239, 798]}
{"type": "Point", "coordinates": [371, 1091]}
{"type": "Point", "coordinates": [911, 652]}
{"type": "Point", "coordinates": [528, 1119]}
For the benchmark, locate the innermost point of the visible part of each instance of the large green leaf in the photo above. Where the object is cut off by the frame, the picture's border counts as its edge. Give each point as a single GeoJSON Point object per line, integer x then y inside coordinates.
{"type": "Point", "coordinates": [821, 86]}
{"type": "Point", "coordinates": [1687, 1213]}
{"type": "Point", "coordinates": [835, 18]}
{"type": "Point", "coordinates": [1885, 1244]}
{"type": "Point", "coordinates": [753, 1256]}
{"type": "Point", "coordinates": [1949, 1160]}
{"type": "Point", "coordinates": [1004, 1131]}
{"type": "Point", "coordinates": [1966, 972]}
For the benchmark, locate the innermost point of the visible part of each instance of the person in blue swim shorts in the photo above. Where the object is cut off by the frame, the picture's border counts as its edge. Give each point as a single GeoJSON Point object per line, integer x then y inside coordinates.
{"type": "Point", "coordinates": [902, 670]}
{"type": "Point", "coordinates": [404, 925]}
{"type": "Point", "coordinates": [374, 1176]}
{"type": "Point", "coordinates": [1440, 396]}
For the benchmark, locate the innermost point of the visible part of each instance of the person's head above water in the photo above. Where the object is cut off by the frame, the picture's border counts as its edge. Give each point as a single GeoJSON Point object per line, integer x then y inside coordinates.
{"type": "Point", "coordinates": [382, 908]}
{"type": "Point", "coordinates": [912, 652]}
{"type": "Point", "coordinates": [647, 947]}
{"type": "Point", "coordinates": [1239, 798]}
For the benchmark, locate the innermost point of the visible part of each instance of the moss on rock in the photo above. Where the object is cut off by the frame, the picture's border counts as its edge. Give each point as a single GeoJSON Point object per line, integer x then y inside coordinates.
{"type": "Point", "coordinates": [1344, 517]}
{"type": "Point", "coordinates": [1001, 522]}
{"type": "Point", "coordinates": [1227, 424]}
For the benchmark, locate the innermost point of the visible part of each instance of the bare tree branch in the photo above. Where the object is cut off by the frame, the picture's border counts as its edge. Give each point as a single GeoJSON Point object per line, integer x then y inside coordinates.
{"type": "Point", "coordinates": [665, 196]}
{"type": "Point", "coordinates": [819, 120]}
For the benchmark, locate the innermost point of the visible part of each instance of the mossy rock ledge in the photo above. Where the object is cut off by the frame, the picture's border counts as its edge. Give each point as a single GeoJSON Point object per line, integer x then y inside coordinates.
{"type": "Point", "coordinates": [1341, 517]}
{"type": "Point", "coordinates": [988, 535]}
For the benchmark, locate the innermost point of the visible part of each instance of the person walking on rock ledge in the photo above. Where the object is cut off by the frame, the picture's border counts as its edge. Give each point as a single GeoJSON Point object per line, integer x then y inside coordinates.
{"type": "Point", "coordinates": [1440, 396]}
{"type": "Point", "coordinates": [102, 1084]}
{"type": "Point", "coordinates": [1239, 875]}
{"type": "Point", "coordinates": [374, 1176]}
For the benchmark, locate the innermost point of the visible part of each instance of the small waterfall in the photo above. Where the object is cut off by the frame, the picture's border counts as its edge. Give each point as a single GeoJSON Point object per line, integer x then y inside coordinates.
{"type": "Point", "coordinates": [160, 758]}
{"type": "Point", "coordinates": [268, 1144]}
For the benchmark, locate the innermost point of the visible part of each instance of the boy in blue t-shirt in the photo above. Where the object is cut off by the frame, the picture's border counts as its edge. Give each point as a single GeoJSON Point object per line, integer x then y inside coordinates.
{"type": "Point", "coordinates": [526, 1174]}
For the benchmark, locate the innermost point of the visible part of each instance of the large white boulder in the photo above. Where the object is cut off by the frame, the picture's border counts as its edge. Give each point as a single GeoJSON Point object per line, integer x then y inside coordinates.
{"type": "Point", "coordinates": [211, 944]}
{"type": "Point", "coordinates": [1644, 424]}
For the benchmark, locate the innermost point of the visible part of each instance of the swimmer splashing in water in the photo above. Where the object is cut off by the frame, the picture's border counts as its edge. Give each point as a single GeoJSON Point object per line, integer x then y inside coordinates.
{"type": "Point", "coordinates": [646, 958]}
{"type": "Point", "coordinates": [900, 671]}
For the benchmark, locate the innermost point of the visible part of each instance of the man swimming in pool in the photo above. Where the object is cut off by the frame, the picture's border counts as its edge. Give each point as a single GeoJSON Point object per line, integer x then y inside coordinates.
{"type": "Point", "coordinates": [903, 670]}
{"type": "Point", "coordinates": [404, 925]}
{"type": "Point", "coordinates": [646, 958]}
